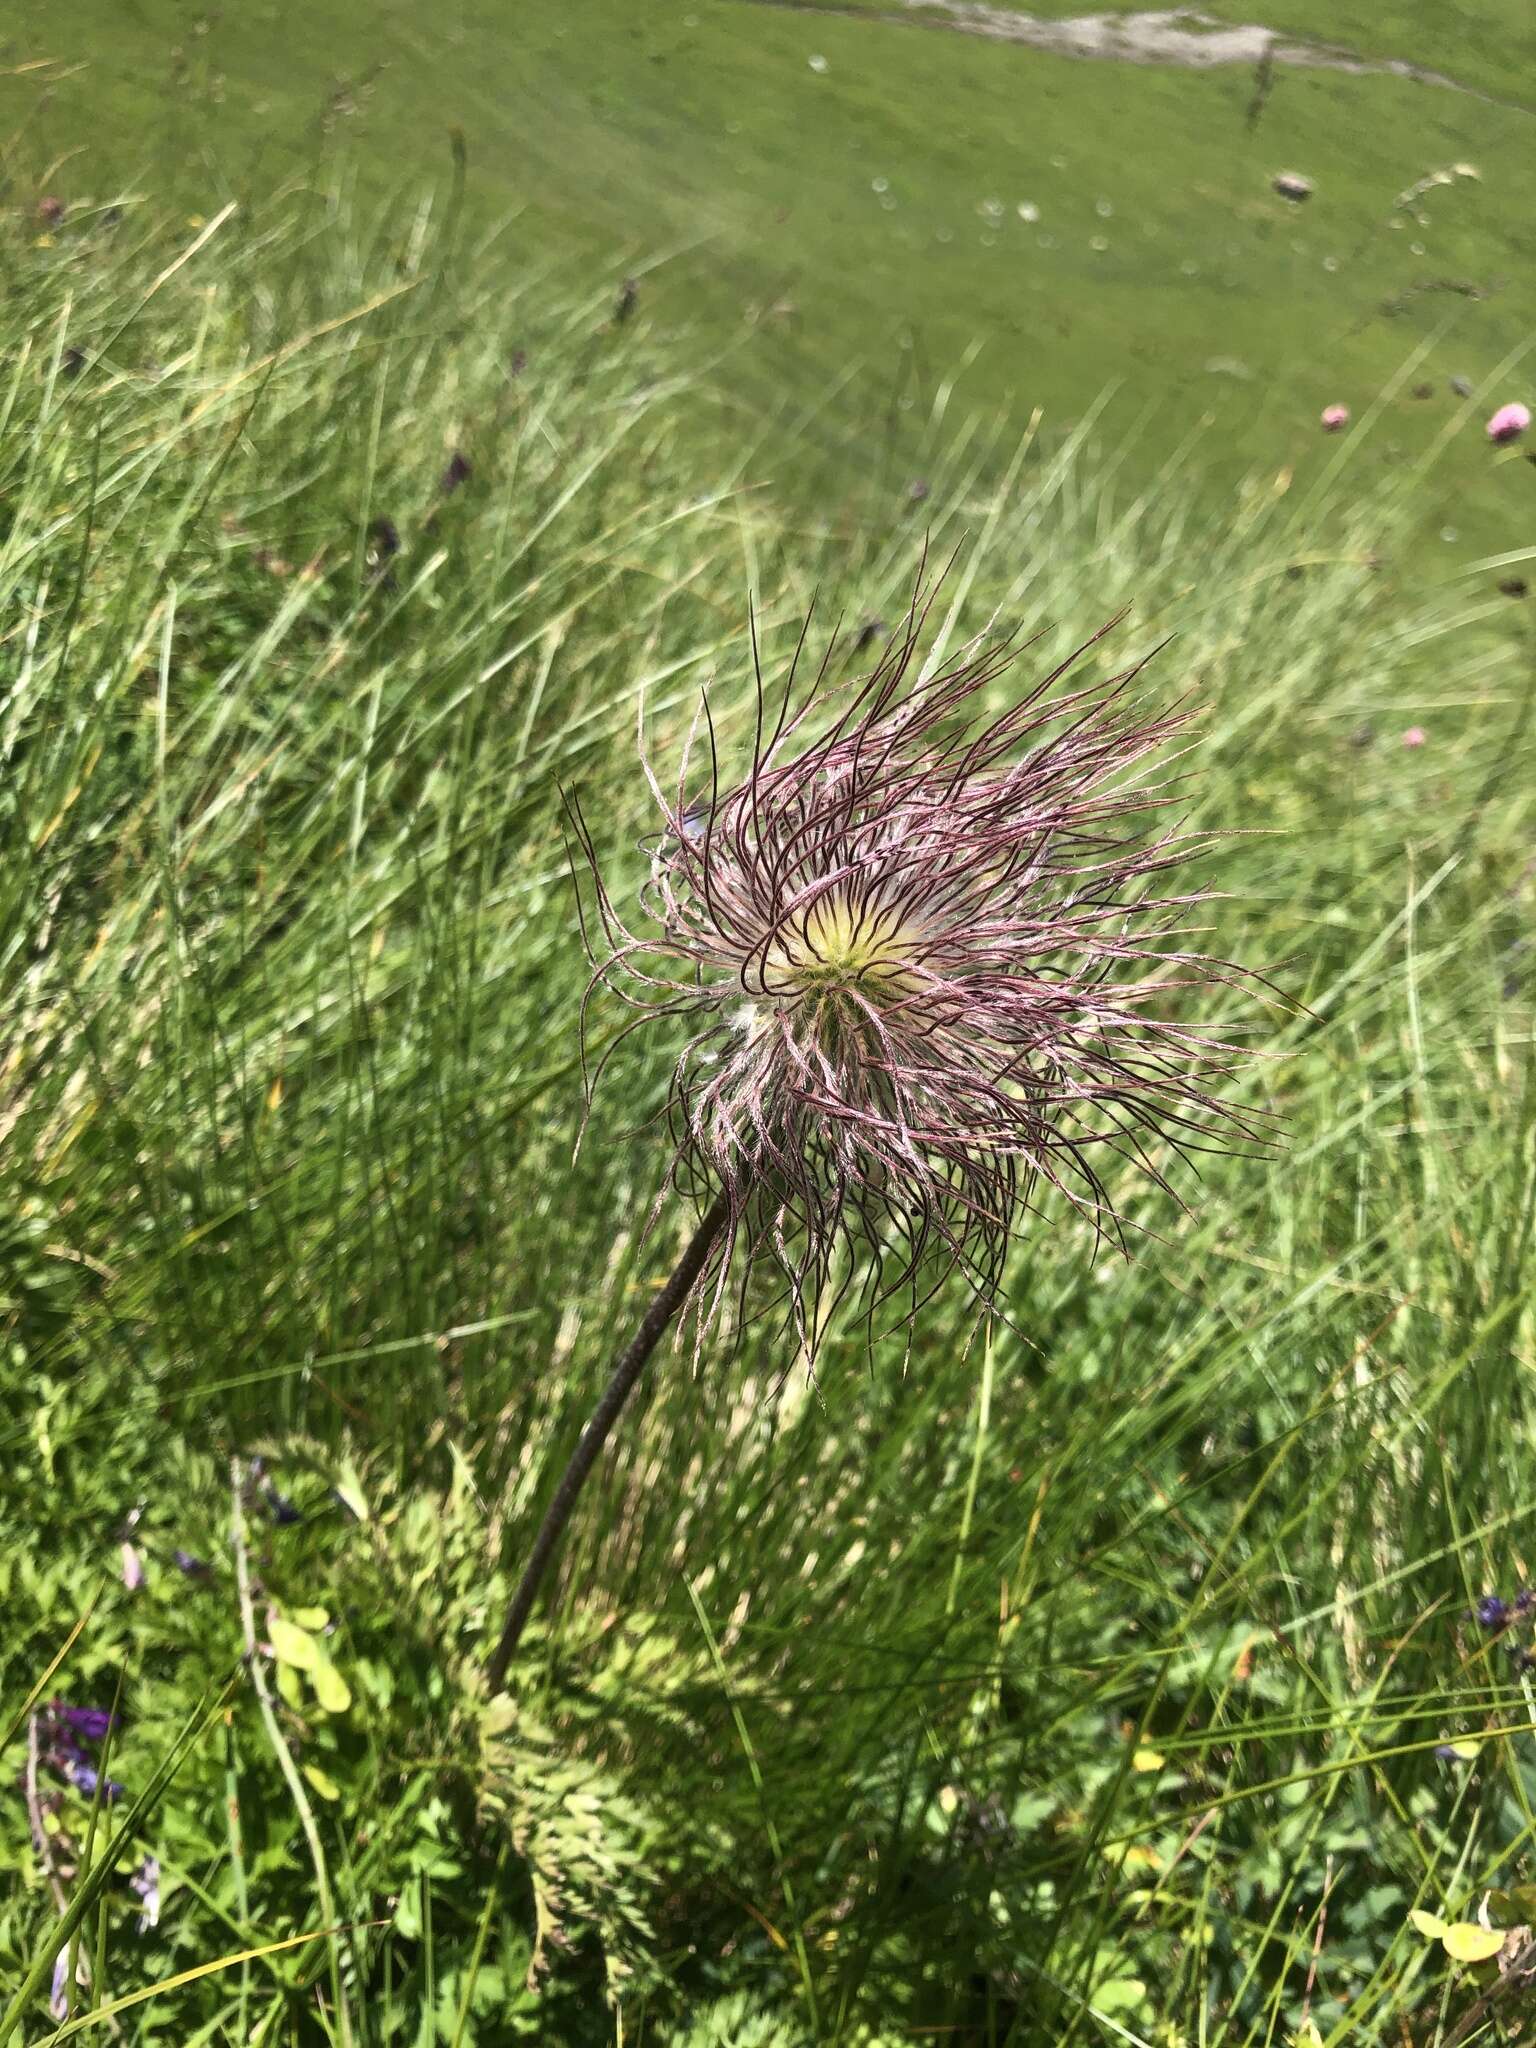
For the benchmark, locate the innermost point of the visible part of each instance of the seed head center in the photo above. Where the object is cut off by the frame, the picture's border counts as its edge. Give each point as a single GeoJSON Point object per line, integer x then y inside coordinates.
{"type": "Point", "coordinates": [845, 946]}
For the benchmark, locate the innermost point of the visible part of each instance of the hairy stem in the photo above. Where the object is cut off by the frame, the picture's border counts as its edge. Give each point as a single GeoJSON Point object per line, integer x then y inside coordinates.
{"type": "Point", "coordinates": [627, 1369]}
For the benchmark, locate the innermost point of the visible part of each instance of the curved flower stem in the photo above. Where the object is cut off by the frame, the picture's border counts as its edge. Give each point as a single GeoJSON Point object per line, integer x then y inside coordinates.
{"type": "Point", "coordinates": [627, 1369]}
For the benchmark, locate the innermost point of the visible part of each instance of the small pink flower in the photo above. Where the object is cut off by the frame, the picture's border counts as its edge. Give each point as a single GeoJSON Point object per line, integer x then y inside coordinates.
{"type": "Point", "coordinates": [1508, 424]}
{"type": "Point", "coordinates": [1415, 736]}
{"type": "Point", "coordinates": [1334, 418]}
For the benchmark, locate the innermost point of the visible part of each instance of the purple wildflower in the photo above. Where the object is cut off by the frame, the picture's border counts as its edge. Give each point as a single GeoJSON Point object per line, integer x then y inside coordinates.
{"type": "Point", "coordinates": [457, 472]}
{"type": "Point", "coordinates": [58, 1995]}
{"type": "Point", "coordinates": [929, 962]}
{"type": "Point", "coordinates": [1492, 1612]}
{"type": "Point", "coordinates": [146, 1883]}
{"type": "Point", "coordinates": [65, 1732]}
{"type": "Point", "coordinates": [85, 1777]}
{"type": "Point", "coordinates": [192, 1567]}
{"type": "Point", "coordinates": [132, 1566]}
{"type": "Point", "coordinates": [85, 1724]}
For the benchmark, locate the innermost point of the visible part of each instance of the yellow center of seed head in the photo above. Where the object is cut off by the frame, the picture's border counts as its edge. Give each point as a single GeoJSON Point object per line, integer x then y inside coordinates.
{"type": "Point", "coordinates": [844, 947]}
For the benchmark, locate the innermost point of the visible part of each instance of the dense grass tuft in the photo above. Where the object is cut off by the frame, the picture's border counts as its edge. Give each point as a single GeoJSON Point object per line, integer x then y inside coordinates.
{"type": "Point", "coordinates": [1086, 1687]}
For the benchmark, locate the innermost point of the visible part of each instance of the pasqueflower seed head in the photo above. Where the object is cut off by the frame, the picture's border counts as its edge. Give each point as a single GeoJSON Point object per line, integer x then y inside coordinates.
{"type": "Point", "coordinates": [931, 955]}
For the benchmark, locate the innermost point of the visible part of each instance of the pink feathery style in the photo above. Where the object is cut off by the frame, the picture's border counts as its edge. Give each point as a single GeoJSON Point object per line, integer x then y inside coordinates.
{"type": "Point", "coordinates": [1508, 424]}
{"type": "Point", "coordinates": [931, 958]}
{"type": "Point", "coordinates": [1333, 418]}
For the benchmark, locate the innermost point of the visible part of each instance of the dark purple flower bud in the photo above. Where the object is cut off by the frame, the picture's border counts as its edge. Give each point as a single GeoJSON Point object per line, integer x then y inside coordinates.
{"type": "Point", "coordinates": [1448, 1752]}
{"type": "Point", "coordinates": [89, 1724]}
{"type": "Point", "coordinates": [383, 545]}
{"type": "Point", "coordinates": [1492, 1612]}
{"type": "Point", "coordinates": [1525, 1601]}
{"type": "Point", "coordinates": [457, 472]}
{"type": "Point", "coordinates": [193, 1567]}
{"type": "Point", "coordinates": [277, 1505]}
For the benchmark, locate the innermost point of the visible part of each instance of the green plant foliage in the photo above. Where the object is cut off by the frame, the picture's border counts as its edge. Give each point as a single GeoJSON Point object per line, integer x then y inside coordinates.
{"type": "Point", "coordinates": [1148, 1700]}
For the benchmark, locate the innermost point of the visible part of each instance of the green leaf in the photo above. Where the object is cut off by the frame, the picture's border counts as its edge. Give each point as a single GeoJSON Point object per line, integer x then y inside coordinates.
{"type": "Point", "coordinates": [349, 1489]}
{"type": "Point", "coordinates": [1119, 1994]}
{"type": "Point", "coordinates": [323, 1783]}
{"type": "Point", "coordinates": [331, 1689]}
{"type": "Point", "coordinates": [292, 1645]}
{"type": "Point", "coordinates": [1427, 1925]}
{"type": "Point", "coordinates": [1147, 1760]}
{"type": "Point", "coordinates": [1466, 1942]}
{"type": "Point", "coordinates": [309, 1617]}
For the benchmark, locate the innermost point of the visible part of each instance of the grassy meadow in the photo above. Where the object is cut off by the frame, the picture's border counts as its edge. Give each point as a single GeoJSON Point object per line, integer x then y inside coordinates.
{"type": "Point", "coordinates": [1130, 1678]}
{"type": "Point", "coordinates": [924, 208]}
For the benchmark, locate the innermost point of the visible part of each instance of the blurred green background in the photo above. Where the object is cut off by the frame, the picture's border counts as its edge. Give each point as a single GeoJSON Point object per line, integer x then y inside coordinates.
{"type": "Point", "coordinates": [855, 205]}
